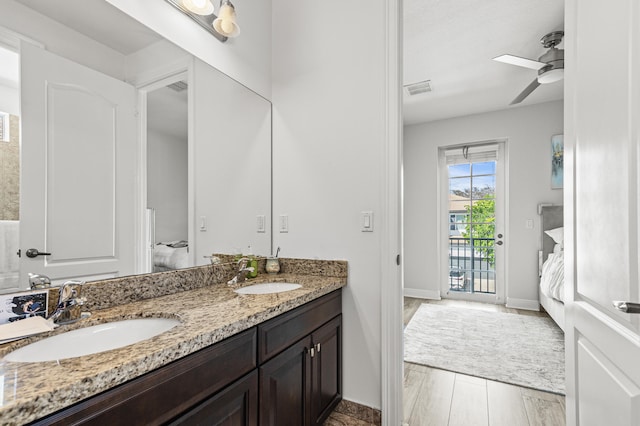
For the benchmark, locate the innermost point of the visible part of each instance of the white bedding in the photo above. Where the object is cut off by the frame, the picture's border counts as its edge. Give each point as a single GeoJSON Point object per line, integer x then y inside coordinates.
{"type": "Point", "coordinates": [167, 258]}
{"type": "Point", "coordinates": [552, 279]}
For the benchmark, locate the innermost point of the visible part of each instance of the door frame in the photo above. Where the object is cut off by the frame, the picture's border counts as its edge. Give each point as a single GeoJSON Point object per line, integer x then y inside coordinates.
{"type": "Point", "coordinates": [391, 270]}
{"type": "Point", "coordinates": [149, 82]}
{"type": "Point", "coordinates": [501, 224]}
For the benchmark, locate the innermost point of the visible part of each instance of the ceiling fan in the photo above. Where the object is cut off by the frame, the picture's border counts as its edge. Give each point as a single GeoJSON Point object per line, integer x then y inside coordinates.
{"type": "Point", "coordinates": [550, 65]}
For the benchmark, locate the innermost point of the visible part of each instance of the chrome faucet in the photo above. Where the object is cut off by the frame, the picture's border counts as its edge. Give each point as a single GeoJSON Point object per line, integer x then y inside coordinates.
{"type": "Point", "coordinates": [243, 270]}
{"type": "Point", "coordinates": [37, 281]}
{"type": "Point", "coordinates": [69, 302]}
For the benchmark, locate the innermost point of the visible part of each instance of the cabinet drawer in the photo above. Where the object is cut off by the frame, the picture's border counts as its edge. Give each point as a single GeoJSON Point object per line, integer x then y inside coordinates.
{"type": "Point", "coordinates": [278, 333]}
{"type": "Point", "coordinates": [163, 394]}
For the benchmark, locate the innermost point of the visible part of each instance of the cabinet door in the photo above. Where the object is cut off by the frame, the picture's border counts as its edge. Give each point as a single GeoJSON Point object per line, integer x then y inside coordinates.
{"type": "Point", "coordinates": [326, 370]}
{"type": "Point", "coordinates": [237, 405]}
{"type": "Point", "coordinates": [285, 387]}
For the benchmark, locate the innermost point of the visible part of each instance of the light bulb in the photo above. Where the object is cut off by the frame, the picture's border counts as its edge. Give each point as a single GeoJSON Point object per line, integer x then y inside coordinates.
{"type": "Point", "coordinates": [199, 7]}
{"type": "Point", "coordinates": [551, 76]}
{"type": "Point", "coordinates": [225, 23]}
{"type": "Point", "coordinates": [227, 26]}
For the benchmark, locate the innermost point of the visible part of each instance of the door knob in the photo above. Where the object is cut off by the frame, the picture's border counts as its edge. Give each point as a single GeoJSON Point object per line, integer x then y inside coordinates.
{"type": "Point", "coordinates": [627, 307]}
{"type": "Point", "coordinates": [35, 253]}
{"type": "Point", "coordinates": [499, 243]}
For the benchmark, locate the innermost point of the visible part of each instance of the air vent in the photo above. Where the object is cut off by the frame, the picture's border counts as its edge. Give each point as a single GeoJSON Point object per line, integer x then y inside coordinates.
{"type": "Point", "coordinates": [417, 88]}
{"type": "Point", "coordinates": [178, 86]}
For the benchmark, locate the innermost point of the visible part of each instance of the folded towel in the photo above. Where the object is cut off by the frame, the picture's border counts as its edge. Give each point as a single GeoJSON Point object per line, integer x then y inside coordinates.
{"type": "Point", "coordinates": [23, 328]}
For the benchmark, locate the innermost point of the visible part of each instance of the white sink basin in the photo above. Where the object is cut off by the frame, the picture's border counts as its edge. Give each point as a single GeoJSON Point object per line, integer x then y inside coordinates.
{"type": "Point", "coordinates": [91, 340]}
{"type": "Point", "coordinates": [267, 288]}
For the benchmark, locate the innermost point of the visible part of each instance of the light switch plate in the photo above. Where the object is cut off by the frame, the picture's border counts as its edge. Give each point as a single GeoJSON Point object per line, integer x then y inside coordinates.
{"type": "Point", "coordinates": [260, 223]}
{"type": "Point", "coordinates": [367, 221]}
{"type": "Point", "coordinates": [284, 223]}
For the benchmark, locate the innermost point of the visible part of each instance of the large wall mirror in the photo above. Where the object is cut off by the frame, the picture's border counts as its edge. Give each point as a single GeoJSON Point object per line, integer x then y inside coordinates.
{"type": "Point", "coordinates": [122, 153]}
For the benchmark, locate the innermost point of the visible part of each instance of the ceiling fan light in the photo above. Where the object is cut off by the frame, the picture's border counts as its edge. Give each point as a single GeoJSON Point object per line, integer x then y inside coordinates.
{"type": "Point", "coordinates": [551, 76]}
{"type": "Point", "coordinates": [199, 7]}
{"type": "Point", "coordinates": [225, 24]}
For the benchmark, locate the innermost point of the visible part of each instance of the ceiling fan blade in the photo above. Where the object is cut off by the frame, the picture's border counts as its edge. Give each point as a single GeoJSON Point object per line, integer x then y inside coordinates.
{"type": "Point", "coordinates": [526, 92]}
{"type": "Point", "coordinates": [521, 62]}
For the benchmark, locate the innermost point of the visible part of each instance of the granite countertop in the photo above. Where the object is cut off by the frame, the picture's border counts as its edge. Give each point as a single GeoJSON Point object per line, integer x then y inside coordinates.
{"type": "Point", "coordinates": [208, 315]}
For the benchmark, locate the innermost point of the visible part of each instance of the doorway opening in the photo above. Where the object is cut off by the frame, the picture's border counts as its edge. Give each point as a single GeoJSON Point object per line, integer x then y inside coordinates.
{"type": "Point", "coordinates": [9, 169]}
{"type": "Point", "coordinates": [166, 161]}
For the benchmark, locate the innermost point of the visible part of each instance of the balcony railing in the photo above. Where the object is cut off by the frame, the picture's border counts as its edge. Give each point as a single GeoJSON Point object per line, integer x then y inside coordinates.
{"type": "Point", "coordinates": [472, 265]}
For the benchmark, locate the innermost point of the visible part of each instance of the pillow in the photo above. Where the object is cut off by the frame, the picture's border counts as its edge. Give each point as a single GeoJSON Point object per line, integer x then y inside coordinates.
{"type": "Point", "coordinates": [557, 234]}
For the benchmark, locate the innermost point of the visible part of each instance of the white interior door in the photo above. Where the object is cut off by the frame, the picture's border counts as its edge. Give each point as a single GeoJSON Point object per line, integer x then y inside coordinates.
{"type": "Point", "coordinates": [602, 120]}
{"type": "Point", "coordinates": [78, 171]}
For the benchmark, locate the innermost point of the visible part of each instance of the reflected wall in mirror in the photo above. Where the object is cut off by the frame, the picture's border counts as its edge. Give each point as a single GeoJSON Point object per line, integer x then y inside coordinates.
{"type": "Point", "coordinates": [92, 163]}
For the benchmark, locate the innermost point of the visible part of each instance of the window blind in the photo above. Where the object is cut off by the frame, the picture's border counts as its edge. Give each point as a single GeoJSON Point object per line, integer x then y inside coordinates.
{"type": "Point", "coordinates": [472, 154]}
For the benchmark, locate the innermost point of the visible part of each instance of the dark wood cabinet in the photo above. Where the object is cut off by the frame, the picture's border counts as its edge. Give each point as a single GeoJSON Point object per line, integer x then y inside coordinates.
{"type": "Point", "coordinates": [285, 387]}
{"type": "Point", "coordinates": [303, 383]}
{"type": "Point", "coordinates": [285, 371]}
{"type": "Point", "coordinates": [234, 406]}
{"type": "Point", "coordinates": [326, 368]}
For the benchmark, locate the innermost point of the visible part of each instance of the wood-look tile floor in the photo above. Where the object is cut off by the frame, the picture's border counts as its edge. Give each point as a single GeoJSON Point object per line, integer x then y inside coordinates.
{"type": "Point", "coordinates": [443, 398]}
{"type": "Point", "coordinates": [439, 397]}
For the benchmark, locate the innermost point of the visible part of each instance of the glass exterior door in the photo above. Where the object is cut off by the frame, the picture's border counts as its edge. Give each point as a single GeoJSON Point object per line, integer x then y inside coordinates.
{"type": "Point", "coordinates": [472, 226]}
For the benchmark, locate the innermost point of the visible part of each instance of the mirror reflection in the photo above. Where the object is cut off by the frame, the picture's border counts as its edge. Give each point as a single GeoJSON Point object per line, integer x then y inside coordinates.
{"type": "Point", "coordinates": [134, 156]}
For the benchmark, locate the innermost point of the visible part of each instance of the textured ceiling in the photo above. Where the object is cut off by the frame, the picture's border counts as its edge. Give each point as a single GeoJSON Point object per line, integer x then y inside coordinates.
{"type": "Point", "coordinates": [451, 43]}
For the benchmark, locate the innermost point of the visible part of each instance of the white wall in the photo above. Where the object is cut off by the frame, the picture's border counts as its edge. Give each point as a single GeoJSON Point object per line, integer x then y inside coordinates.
{"type": "Point", "coordinates": [528, 132]}
{"type": "Point", "coordinates": [329, 138]}
{"type": "Point", "coordinates": [246, 58]}
{"type": "Point", "coordinates": [167, 184]}
{"type": "Point", "coordinates": [232, 165]}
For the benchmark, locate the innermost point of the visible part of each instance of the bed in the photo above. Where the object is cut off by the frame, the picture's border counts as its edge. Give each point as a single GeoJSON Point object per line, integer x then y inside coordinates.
{"type": "Point", "coordinates": [551, 263]}
{"type": "Point", "coordinates": [168, 256]}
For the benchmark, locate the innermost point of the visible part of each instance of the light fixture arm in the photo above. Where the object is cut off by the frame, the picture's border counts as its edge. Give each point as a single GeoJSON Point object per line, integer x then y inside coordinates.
{"type": "Point", "coordinates": [205, 22]}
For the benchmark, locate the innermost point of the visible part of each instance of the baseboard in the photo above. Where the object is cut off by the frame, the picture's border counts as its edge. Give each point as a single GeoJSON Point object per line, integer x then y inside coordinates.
{"type": "Point", "coordinates": [360, 412]}
{"type": "Point", "coordinates": [526, 304]}
{"type": "Point", "coordinates": [422, 294]}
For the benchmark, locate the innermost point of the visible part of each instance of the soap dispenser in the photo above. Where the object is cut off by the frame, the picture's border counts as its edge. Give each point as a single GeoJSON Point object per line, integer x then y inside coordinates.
{"type": "Point", "coordinates": [253, 262]}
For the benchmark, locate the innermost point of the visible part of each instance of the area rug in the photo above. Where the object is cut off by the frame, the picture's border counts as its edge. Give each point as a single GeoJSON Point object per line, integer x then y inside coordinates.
{"type": "Point", "coordinates": [518, 349]}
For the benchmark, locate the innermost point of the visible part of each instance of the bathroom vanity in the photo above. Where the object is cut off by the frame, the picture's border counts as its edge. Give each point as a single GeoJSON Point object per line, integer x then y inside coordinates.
{"type": "Point", "coordinates": [284, 371]}
{"type": "Point", "coordinates": [273, 359]}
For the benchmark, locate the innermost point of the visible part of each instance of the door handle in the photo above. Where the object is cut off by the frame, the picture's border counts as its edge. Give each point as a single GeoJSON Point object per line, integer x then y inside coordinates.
{"type": "Point", "coordinates": [499, 243]}
{"type": "Point", "coordinates": [35, 253]}
{"type": "Point", "coordinates": [627, 307]}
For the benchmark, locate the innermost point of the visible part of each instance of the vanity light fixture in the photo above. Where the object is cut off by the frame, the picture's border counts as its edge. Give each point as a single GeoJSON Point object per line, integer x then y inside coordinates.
{"type": "Point", "coordinates": [225, 23]}
{"type": "Point", "coordinates": [201, 11]}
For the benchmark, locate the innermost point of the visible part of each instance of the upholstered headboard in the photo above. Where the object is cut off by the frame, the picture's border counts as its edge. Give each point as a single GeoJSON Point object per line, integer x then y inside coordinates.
{"type": "Point", "coordinates": [551, 217]}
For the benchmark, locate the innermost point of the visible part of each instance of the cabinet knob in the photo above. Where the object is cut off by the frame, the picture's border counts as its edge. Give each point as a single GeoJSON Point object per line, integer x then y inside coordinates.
{"type": "Point", "coordinates": [312, 351]}
{"type": "Point", "coordinates": [318, 347]}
